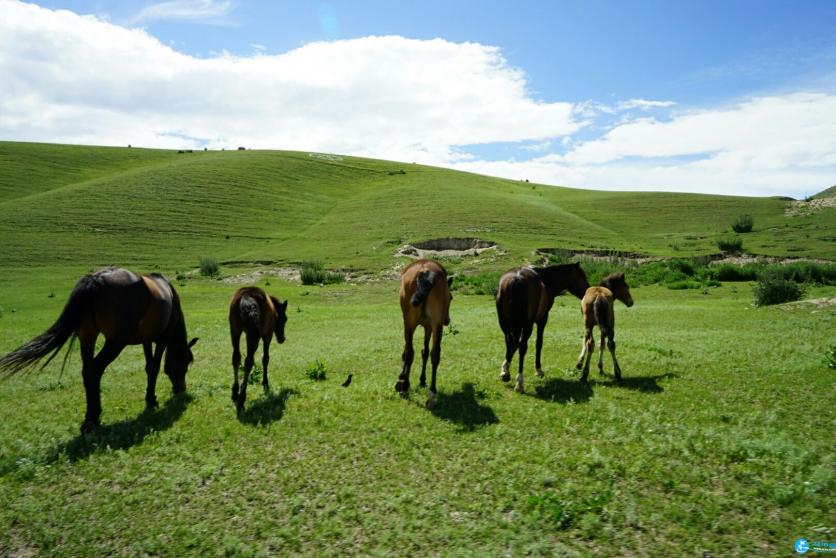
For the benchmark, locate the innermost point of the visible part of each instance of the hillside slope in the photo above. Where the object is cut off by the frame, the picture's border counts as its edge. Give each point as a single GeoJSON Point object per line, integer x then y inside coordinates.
{"type": "Point", "coordinates": [93, 206]}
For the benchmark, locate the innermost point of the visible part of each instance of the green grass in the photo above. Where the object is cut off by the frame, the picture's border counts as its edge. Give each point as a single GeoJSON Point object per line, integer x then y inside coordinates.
{"type": "Point", "coordinates": [719, 441]}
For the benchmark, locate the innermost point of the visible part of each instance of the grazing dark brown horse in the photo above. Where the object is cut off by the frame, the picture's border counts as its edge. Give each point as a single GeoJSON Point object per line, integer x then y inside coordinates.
{"type": "Point", "coordinates": [261, 316]}
{"type": "Point", "coordinates": [425, 300]}
{"type": "Point", "coordinates": [524, 298]}
{"type": "Point", "coordinates": [127, 309]}
{"type": "Point", "coordinates": [597, 309]}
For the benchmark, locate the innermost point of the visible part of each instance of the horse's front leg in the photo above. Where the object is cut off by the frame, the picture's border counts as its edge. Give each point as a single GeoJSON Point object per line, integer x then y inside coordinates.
{"type": "Point", "coordinates": [152, 370]}
{"type": "Point", "coordinates": [541, 326]}
{"type": "Point", "coordinates": [402, 386]}
{"type": "Point", "coordinates": [265, 360]}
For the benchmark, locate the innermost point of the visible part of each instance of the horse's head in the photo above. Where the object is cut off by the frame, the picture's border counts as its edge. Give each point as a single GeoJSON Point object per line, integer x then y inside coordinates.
{"type": "Point", "coordinates": [178, 357]}
{"type": "Point", "coordinates": [619, 288]}
{"type": "Point", "coordinates": [281, 318]}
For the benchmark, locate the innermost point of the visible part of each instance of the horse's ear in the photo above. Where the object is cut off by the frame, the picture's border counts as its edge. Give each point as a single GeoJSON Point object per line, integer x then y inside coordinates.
{"type": "Point", "coordinates": [449, 281]}
{"type": "Point", "coordinates": [284, 306]}
{"type": "Point", "coordinates": [192, 342]}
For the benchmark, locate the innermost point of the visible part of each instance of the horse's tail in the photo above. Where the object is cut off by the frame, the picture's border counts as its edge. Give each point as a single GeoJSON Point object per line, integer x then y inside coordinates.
{"type": "Point", "coordinates": [250, 314]}
{"type": "Point", "coordinates": [518, 303]}
{"type": "Point", "coordinates": [54, 338]}
{"type": "Point", "coordinates": [601, 310]}
{"type": "Point", "coordinates": [425, 280]}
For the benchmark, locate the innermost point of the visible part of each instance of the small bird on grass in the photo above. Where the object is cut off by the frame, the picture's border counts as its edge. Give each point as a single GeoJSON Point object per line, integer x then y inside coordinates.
{"type": "Point", "coordinates": [347, 381]}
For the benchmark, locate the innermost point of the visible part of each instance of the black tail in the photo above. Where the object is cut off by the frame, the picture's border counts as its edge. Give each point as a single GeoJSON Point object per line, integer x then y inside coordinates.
{"type": "Point", "coordinates": [54, 338]}
{"type": "Point", "coordinates": [517, 304]}
{"type": "Point", "coordinates": [425, 280]}
{"type": "Point", "coordinates": [250, 314]}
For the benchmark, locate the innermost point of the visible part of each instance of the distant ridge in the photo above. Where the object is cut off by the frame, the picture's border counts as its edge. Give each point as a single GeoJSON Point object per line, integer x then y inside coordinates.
{"type": "Point", "coordinates": [829, 193]}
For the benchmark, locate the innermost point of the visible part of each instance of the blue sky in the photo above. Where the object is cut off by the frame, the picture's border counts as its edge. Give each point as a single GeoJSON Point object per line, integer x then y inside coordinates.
{"type": "Point", "coordinates": [726, 97]}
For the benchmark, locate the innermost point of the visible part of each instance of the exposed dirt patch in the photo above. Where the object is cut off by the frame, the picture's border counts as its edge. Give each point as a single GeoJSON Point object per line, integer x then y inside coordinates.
{"type": "Point", "coordinates": [592, 254]}
{"type": "Point", "coordinates": [447, 247]}
{"type": "Point", "coordinates": [742, 259]}
{"type": "Point", "coordinates": [814, 304]}
{"type": "Point", "coordinates": [254, 276]}
{"type": "Point", "coordinates": [802, 208]}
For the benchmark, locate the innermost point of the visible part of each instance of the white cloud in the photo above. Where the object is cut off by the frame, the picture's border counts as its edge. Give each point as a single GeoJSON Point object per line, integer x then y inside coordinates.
{"type": "Point", "coordinates": [83, 80]}
{"type": "Point", "coordinates": [643, 104]}
{"type": "Point", "coordinates": [188, 10]}
{"type": "Point", "coordinates": [762, 146]}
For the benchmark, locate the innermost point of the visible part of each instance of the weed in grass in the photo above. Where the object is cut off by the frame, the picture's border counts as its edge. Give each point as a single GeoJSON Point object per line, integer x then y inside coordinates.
{"type": "Point", "coordinates": [830, 357]}
{"type": "Point", "coordinates": [209, 267]}
{"type": "Point", "coordinates": [729, 243]}
{"type": "Point", "coordinates": [743, 224]}
{"type": "Point", "coordinates": [314, 273]}
{"type": "Point", "coordinates": [317, 371]}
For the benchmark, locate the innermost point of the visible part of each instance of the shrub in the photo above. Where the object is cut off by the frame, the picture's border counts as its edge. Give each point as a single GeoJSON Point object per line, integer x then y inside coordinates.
{"type": "Point", "coordinates": [807, 272]}
{"type": "Point", "coordinates": [209, 267]}
{"type": "Point", "coordinates": [313, 273]}
{"type": "Point", "coordinates": [729, 243]}
{"type": "Point", "coordinates": [731, 272]}
{"type": "Point", "coordinates": [772, 288]}
{"type": "Point", "coordinates": [317, 371]}
{"type": "Point", "coordinates": [480, 284]}
{"type": "Point", "coordinates": [743, 224]}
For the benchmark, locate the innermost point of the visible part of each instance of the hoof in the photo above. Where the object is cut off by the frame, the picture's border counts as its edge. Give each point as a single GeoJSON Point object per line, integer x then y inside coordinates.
{"type": "Point", "coordinates": [431, 401]}
{"type": "Point", "coordinates": [583, 379]}
{"type": "Point", "coordinates": [519, 388]}
{"type": "Point", "coordinates": [266, 388]}
{"type": "Point", "coordinates": [151, 403]}
{"type": "Point", "coordinates": [404, 394]}
{"type": "Point", "coordinates": [505, 377]}
{"type": "Point", "coordinates": [579, 365]}
{"type": "Point", "coordinates": [540, 373]}
{"type": "Point", "coordinates": [89, 426]}
{"type": "Point", "coordinates": [402, 387]}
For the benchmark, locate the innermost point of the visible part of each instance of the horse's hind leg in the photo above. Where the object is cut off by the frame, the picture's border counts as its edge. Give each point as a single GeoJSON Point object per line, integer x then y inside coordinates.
{"type": "Point", "coordinates": [611, 347]}
{"type": "Point", "coordinates": [425, 353]}
{"type": "Point", "coordinates": [92, 374]}
{"type": "Point", "coordinates": [265, 360]}
{"type": "Point", "coordinates": [541, 326]}
{"type": "Point", "coordinates": [252, 346]}
{"type": "Point", "coordinates": [436, 358]}
{"type": "Point", "coordinates": [152, 370]}
{"type": "Point", "coordinates": [588, 349]}
{"type": "Point", "coordinates": [510, 348]}
{"type": "Point", "coordinates": [402, 386]}
{"type": "Point", "coordinates": [236, 361]}
{"type": "Point", "coordinates": [601, 345]}
{"type": "Point", "coordinates": [523, 349]}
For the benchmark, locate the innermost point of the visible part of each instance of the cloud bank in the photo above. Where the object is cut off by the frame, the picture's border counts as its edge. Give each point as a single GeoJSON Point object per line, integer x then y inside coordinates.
{"type": "Point", "coordinates": [80, 79]}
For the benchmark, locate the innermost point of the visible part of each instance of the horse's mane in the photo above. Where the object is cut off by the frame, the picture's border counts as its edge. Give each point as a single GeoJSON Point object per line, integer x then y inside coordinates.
{"type": "Point", "coordinates": [612, 280]}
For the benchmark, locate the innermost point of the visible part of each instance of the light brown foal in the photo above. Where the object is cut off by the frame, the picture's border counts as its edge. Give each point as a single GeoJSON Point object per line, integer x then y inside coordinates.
{"type": "Point", "coordinates": [597, 309]}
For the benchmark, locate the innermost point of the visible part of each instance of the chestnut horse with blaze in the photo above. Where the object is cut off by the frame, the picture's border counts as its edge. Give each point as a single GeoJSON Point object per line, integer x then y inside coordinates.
{"type": "Point", "coordinates": [261, 316]}
{"type": "Point", "coordinates": [127, 309]}
{"type": "Point", "coordinates": [597, 309]}
{"type": "Point", "coordinates": [425, 301]}
{"type": "Point", "coordinates": [524, 298]}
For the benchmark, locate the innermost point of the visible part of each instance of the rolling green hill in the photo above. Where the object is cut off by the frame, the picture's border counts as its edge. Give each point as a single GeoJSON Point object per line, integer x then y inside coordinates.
{"type": "Point", "coordinates": [95, 206]}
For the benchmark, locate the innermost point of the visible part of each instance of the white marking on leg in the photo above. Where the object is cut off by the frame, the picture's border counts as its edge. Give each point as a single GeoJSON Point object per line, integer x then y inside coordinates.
{"type": "Point", "coordinates": [504, 373]}
{"type": "Point", "coordinates": [519, 387]}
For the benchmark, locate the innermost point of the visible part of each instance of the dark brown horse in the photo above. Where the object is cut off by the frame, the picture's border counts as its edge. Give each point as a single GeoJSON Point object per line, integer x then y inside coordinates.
{"type": "Point", "coordinates": [597, 309]}
{"type": "Point", "coordinates": [524, 298]}
{"type": "Point", "coordinates": [425, 300]}
{"type": "Point", "coordinates": [127, 309]}
{"type": "Point", "coordinates": [261, 316]}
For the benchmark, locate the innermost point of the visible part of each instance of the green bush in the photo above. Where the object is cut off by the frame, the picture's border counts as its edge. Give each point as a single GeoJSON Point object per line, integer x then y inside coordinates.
{"type": "Point", "coordinates": [314, 273]}
{"type": "Point", "coordinates": [729, 243]}
{"type": "Point", "coordinates": [209, 267]}
{"type": "Point", "coordinates": [806, 272]}
{"type": "Point", "coordinates": [743, 224]}
{"type": "Point", "coordinates": [773, 288]}
{"type": "Point", "coordinates": [731, 272]}
{"type": "Point", "coordinates": [479, 284]}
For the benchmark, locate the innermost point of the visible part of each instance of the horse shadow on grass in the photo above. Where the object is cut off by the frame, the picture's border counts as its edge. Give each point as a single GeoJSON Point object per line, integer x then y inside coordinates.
{"type": "Point", "coordinates": [117, 436]}
{"type": "Point", "coordinates": [644, 384]}
{"type": "Point", "coordinates": [558, 390]}
{"type": "Point", "coordinates": [267, 409]}
{"type": "Point", "coordinates": [464, 409]}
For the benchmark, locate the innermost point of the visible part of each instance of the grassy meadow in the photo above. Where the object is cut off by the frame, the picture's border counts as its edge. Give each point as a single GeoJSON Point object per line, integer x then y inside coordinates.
{"type": "Point", "coordinates": [719, 441]}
